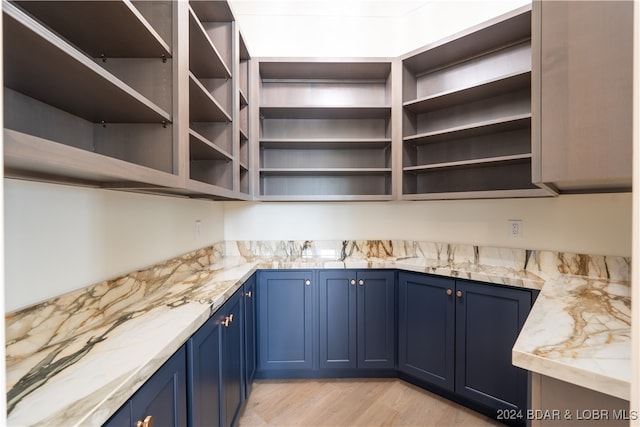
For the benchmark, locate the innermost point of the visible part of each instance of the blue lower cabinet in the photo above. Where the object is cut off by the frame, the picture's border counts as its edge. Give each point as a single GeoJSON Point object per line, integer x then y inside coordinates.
{"type": "Point", "coordinates": [249, 333]}
{"type": "Point", "coordinates": [338, 320]}
{"type": "Point", "coordinates": [455, 337]}
{"type": "Point", "coordinates": [426, 328]}
{"type": "Point", "coordinates": [488, 321]}
{"type": "Point", "coordinates": [376, 319]}
{"type": "Point", "coordinates": [161, 401]}
{"type": "Point", "coordinates": [204, 370]}
{"type": "Point", "coordinates": [285, 320]}
{"type": "Point", "coordinates": [232, 360]}
{"type": "Point", "coordinates": [216, 389]}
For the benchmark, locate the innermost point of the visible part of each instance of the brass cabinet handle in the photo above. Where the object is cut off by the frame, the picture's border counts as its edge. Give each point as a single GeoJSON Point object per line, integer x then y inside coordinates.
{"type": "Point", "coordinates": [227, 320]}
{"type": "Point", "coordinates": [148, 422]}
{"type": "Point", "coordinates": [449, 292]}
{"type": "Point", "coordinates": [458, 294]}
{"type": "Point", "coordinates": [361, 282]}
{"type": "Point", "coordinates": [248, 294]}
{"type": "Point", "coordinates": [307, 282]}
{"type": "Point", "coordinates": [353, 281]}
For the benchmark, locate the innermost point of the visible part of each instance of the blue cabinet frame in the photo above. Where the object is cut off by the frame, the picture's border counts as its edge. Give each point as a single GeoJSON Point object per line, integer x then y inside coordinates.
{"type": "Point", "coordinates": [357, 319]}
{"type": "Point", "coordinates": [286, 320]}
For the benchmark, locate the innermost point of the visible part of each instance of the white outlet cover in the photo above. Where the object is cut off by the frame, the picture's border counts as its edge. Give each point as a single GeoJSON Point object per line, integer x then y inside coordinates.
{"type": "Point", "coordinates": [515, 228]}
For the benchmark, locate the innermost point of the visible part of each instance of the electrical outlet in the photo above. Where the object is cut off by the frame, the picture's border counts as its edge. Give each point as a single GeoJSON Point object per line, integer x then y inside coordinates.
{"type": "Point", "coordinates": [198, 229]}
{"type": "Point", "coordinates": [515, 228]}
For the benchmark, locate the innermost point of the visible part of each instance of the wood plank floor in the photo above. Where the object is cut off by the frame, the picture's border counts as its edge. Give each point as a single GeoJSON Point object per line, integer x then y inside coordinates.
{"type": "Point", "coordinates": [352, 402]}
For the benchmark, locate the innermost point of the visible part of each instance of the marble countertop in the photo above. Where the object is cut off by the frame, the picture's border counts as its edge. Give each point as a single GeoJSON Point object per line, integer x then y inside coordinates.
{"type": "Point", "coordinates": [75, 359]}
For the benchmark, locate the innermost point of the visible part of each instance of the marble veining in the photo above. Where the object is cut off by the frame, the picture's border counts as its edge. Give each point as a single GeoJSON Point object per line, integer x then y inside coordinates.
{"type": "Point", "coordinates": [583, 325]}
{"type": "Point", "coordinates": [75, 359]}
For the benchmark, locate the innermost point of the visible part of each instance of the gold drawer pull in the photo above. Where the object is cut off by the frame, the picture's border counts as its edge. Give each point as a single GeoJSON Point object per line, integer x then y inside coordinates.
{"type": "Point", "coordinates": [353, 281]}
{"type": "Point", "coordinates": [148, 422]}
{"type": "Point", "coordinates": [459, 294]}
{"type": "Point", "coordinates": [248, 294]}
{"type": "Point", "coordinates": [361, 282]}
{"type": "Point", "coordinates": [449, 292]}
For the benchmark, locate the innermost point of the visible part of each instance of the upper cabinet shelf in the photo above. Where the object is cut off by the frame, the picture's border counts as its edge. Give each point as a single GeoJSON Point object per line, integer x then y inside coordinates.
{"type": "Point", "coordinates": [203, 107]}
{"type": "Point", "coordinates": [97, 93]}
{"type": "Point", "coordinates": [325, 112]}
{"type": "Point", "coordinates": [131, 35]}
{"type": "Point", "coordinates": [325, 130]}
{"type": "Point", "coordinates": [506, 30]}
{"type": "Point", "coordinates": [204, 59]}
{"type": "Point", "coordinates": [483, 89]}
{"type": "Point", "coordinates": [466, 115]}
{"type": "Point", "coordinates": [47, 68]}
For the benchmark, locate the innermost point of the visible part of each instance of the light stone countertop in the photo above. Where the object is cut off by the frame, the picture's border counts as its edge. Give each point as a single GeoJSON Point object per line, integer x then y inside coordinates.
{"type": "Point", "coordinates": [75, 359]}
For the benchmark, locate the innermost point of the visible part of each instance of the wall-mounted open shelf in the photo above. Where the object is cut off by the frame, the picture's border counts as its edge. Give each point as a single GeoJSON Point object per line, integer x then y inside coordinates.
{"type": "Point", "coordinates": [87, 113]}
{"type": "Point", "coordinates": [325, 130]}
{"type": "Point", "coordinates": [98, 95]}
{"type": "Point", "coordinates": [467, 114]}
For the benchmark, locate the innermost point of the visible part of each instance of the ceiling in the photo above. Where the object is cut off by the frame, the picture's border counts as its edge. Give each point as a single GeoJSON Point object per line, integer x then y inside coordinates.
{"type": "Point", "coordinates": [361, 8]}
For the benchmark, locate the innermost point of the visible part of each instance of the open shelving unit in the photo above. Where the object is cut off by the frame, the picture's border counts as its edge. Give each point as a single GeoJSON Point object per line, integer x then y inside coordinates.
{"type": "Point", "coordinates": [466, 114]}
{"type": "Point", "coordinates": [103, 108]}
{"type": "Point", "coordinates": [210, 97]}
{"type": "Point", "coordinates": [130, 95]}
{"type": "Point", "coordinates": [324, 129]}
{"type": "Point", "coordinates": [244, 57]}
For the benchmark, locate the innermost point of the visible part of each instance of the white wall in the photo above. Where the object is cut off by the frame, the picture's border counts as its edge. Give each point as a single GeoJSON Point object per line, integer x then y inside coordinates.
{"type": "Point", "coordinates": [60, 238]}
{"type": "Point", "coordinates": [438, 19]}
{"type": "Point", "coordinates": [342, 28]}
{"type": "Point", "coordinates": [594, 224]}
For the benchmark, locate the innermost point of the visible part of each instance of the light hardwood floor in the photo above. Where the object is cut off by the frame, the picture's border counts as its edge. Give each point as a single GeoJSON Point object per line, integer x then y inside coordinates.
{"type": "Point", "coordinates": [352, 402]}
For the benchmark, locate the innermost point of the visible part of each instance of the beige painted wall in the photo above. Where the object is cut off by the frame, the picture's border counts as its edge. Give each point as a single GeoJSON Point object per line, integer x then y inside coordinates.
{"type": "Point", "coordinates": [338, 28]}
{"type": "Point", "coordinates": [594, 224]}
{"type": "Point", "coordinates": [60, 238]}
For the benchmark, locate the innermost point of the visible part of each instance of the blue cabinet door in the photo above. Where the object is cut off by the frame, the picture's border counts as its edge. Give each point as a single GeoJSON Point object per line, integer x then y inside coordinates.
{"type": "Point", "coordinates": [231, 352]}
{"type": "Point", "coordinates": [426, 328]}
{"type": "Point", "coordinates": [122, 418]}
{"type": "Point", "coordinates": [204, 371]}
{"type": "Point", "coordinates": [164, 395]}
{"type": "Point", "coordinates": [338, 327]}
{"type": "Point", "coordinates": [249, 332]}
{"type": "Point", "coordinates": [376, 319]}
{"type": "Point", "coordinates": [488, 321]}
{"type": "Point", "coordinates": [285, 320]}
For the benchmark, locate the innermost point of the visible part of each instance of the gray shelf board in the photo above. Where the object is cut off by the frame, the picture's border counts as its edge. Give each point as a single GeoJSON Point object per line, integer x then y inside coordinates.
{"type": "Point", "coordinates": [208, 190]}
{"type": "Point", "coordinates": [468, 163]}
{"type": "Point", "coordinates": [200, 148]}
{"type": "Point", "coordinates": [47, 68]}
{"type": "Point", "coordinates": [325, 171]}
{"type": "Point", "coordinates": [123, 31]}
{"type": "Point", "coordinates": [30, 154]}
{"type": "Point", "coordinates": [203, 107]}
{"type": "Point", "coordinates": [329, 143]}
{"type": "Point", "coordinates": [492, 194]}
{"type": "Point", "coordinates": [325, 112]}
{"type": "Point", "coordinates": [204, 59]}
{"type": "Point", "coordinates": [212, 11]}
{"type": "Point", "coordinates": [325, 198]}
{"type": "Point", "coordinates": [244, 101]}
{"type": "Point", "coordinates": [508, 29]}
{"type": "Point", "coordinates": [493, 87]}
{"type": "Point", "coordinates": [243, 167]}
{"type": "Point", "coordinates": [505, 124]}
{"type": "Point", "coordinates": [244, 52]}
{"type": "Point", "coordinates": [319, 69]}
